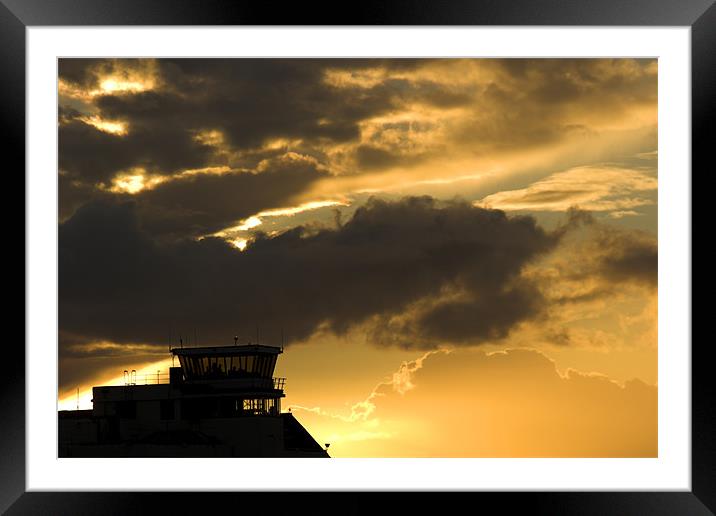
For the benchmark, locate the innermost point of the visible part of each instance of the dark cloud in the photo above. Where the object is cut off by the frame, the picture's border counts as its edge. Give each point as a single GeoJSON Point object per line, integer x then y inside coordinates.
{"type": "Point", "coordinates": [249, 100]}
{"type": "Point", "coordinates": [119, 284]}
{"type": "Point", "coordinates": [200, 204]}
{"type": "Point", "coordinates": [631, 258]}
{"type": "Point", "coordinates": [513, 106]}
{"type": "Point", "coordinates": [415, 273]}
{"type": "Point", "coordinates": [369, 157]}
{"type": "Point", "coordinates": [95, 156]}
{"type": "Point", "coordinates": [80, 71]}
{"type": "Point", "coordinates": [204, 204]}
{"type": "Point", "coordinates": [584, 74]}
{"type": "Point", "coordinates": [73, 194]}
{"type": "Point", "coordinates": [595, 261]}
{"type": "Point", "coordinates": [252, 100]}
{"type": "Point", "coordinates": [533, 102]}
{"type": "Point", "coordinates": [418, 272]}
{"type": "Point", "coordinates": [615, 254]}
{"type": "Point", "coordinates": [482, 317]}
{"type": "Point", "coordinates": [90, 155]}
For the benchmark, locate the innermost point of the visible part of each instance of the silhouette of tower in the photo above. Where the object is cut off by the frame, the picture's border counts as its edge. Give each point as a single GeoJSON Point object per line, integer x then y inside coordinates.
{"type": "Point", "coordinates": [220, 401]}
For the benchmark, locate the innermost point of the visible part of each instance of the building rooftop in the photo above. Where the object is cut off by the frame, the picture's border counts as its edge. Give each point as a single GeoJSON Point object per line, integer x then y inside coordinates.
{"type": "Point", "coordinates": [224, 351]}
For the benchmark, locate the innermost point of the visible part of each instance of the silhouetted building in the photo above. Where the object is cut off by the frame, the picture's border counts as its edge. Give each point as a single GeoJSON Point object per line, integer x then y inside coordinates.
{"type": "Point", "coordinates": [220, 402]}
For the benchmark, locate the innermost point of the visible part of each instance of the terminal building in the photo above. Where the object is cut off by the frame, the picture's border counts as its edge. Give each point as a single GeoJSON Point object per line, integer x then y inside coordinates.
{"type": "Point", "coordinates": [219, 402]}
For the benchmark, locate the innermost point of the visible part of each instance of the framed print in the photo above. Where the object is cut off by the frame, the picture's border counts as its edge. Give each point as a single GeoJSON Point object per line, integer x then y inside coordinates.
{"type": "Point", "coordinates": [441, 249]}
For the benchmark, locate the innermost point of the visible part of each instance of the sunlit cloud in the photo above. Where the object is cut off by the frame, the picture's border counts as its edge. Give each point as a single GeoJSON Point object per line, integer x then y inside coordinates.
{"type": "Point", "coordinates": [109, 348]}
{"type": "Point", "coordinates": [240, 243]}
{"type": "Point", "coordinates": [400, 382]}
{"type": "Point", "coordinates": [108, 126]}
{"type": "Point", "coordinates": [249, 223]}
{"type": "Point", "coordinates": [287, 158]}
{"type": "Point", "coordinates": [593, 188]}
{"type": "Point", "coordinates": [217, 170]}
{"type": "Point", "coordinates": [68, 89]}
{"type": "Point", "coordinates": [114, 77]}
{"type": "Point", "coordinates": [363, 78]}
{"type": "Point", "coordinates": [114, 85]}
{"type": "Point", "coordinates": [213, 137]}
{"type": "Point", "coordinates": [454, 73]}
{"type": "Point", "coordinates": [511, 403]}
{"type": "Point", "coordinates": [619, 214]}
{"type": "Point", "coordinates": [135, 181]}
{"type": "Point", "coordinates": [107, 86]}
{"type": "Point", "coordinates": [402, 378]}
{"type": "Point", "coordinates": [648, 155]}
{"type": "Point", "coordinates": [256, 220]}
{"type": "Point", "coordinates": [295, 210]}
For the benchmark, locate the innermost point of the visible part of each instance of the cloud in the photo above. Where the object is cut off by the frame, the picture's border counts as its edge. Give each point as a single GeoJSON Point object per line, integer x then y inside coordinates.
{"type": "Point", "coordinates": [248, 101]}
{"type": "Point", "coordinates": [592, 188]}
{"type": "Point", "coordinates": [202, 204]}
{"type": "Point", "coordinates": [117, 283]}
{"type": "Point", "coordinates": [414, 273]}
{"type": "Point", "coordinates": [359, 118]}
{"type": "Point", "coordinates": [633, 256]}
{"type": "Point", "coordinates": [85, 78]}
{"type": "Point", "coordinates": [507, 404]}
{"type": "Point", "coordinates": [199, 203]}
{"type": "Point", "coordinates": [156, 154]}
{"type": "Point", "coordinates": [598, 252]}
{"type": "Point", "coordinates": [94, 156]}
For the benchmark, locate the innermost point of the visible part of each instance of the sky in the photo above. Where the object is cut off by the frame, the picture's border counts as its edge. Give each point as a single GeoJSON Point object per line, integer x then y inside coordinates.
{"type": "Point", "coordinates": [461, 253]}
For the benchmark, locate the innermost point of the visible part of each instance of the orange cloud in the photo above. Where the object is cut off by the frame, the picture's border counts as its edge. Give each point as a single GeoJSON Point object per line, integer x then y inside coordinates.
{"type": "Point", "coordinates": [505, 404]}
{"type": "Point", "coordinates": [593, 188]}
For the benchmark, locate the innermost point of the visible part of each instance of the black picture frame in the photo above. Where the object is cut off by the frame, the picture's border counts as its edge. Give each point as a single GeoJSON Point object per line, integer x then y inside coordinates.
{"type": "Point", "coordinates": [17, 15]}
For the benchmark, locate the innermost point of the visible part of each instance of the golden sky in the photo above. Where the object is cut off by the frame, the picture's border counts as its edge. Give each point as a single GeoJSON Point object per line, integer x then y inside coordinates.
{"type": "Point", "coordinates": [462, 252]}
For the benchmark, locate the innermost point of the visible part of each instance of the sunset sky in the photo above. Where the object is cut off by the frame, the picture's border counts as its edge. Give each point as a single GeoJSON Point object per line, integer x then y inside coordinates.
{"type": "Point", "coordinates": [461, 253]}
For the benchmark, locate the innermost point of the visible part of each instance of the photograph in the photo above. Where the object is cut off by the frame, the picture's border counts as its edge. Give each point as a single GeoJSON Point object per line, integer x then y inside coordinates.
{"type": "Point", "coordinates": [445, 247]}
{"type": "Point", "coordinates": [392, 257]}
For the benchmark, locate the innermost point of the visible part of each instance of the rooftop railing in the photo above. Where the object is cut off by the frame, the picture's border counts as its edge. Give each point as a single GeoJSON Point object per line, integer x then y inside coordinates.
{"type": "Point", "coordinates": [131, 378]}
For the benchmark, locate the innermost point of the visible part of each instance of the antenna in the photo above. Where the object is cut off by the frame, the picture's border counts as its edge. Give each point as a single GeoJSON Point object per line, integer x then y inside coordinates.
{"type": "Point", "coordinates": [78, 398]}
{"type": "Point", "coordinates": [281, 339]}
{"type": "Point", "coordinates": [181, 342]}
{"type": "Point", "coordinates": [257, 334]}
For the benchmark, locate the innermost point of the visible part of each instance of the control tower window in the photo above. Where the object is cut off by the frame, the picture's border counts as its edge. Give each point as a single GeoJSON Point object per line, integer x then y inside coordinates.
{"type": "Point", "coordinates": [222, 366]}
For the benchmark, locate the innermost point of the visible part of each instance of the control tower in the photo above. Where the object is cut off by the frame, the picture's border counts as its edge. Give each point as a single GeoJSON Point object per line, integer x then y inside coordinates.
{"type": "Point", "coordinates": [222, 401]}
